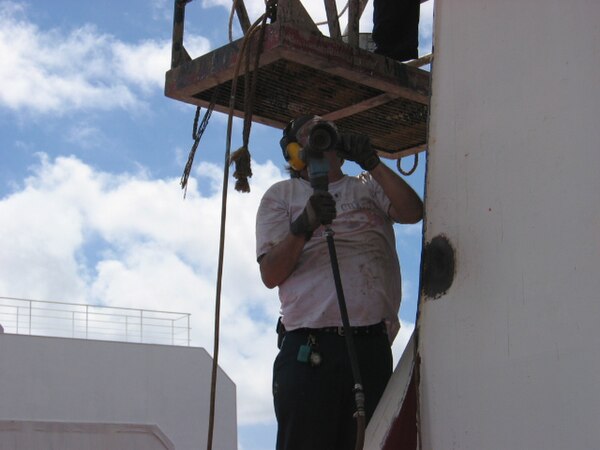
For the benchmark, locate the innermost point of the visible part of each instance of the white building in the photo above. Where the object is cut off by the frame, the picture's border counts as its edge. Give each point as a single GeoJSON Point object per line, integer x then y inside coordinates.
{"type": "Point", "coordinates": [72, 393]}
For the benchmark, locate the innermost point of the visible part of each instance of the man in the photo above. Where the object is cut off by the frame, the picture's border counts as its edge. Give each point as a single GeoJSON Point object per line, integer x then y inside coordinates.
{"type": "Point", "coordinates": [312, 378]}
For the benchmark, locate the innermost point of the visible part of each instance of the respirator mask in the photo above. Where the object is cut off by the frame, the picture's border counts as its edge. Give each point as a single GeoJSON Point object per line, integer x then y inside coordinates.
{"type": "Point", "coordinates": [304, 142]}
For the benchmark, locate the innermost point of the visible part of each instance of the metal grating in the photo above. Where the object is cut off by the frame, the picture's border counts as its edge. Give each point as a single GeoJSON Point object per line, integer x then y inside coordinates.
{"type": "Point", "coordinates": [302, 73]}
{"type": "Point", "coordinates": [286, 89]}
{"type": "Point", "coordinates": [395, 127]}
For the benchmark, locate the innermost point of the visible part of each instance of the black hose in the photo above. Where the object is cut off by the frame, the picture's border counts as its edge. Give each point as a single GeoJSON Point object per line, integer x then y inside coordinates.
{"type": "Point", "coordinates": [359, 395]}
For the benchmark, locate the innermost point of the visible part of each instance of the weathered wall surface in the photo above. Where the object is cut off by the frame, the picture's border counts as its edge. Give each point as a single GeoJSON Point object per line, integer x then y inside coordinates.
{"type": "Point", "coordinates": [510, 355]}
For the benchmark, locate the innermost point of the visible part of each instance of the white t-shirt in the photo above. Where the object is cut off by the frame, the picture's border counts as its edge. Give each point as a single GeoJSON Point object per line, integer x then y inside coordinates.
{"type": "Point", "coordinates": [366, 253]}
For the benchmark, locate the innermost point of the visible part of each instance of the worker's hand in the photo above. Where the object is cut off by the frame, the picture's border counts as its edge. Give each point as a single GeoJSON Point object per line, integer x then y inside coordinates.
{"type": "Point", "coordinates": [319, 210]}
{"type": "Point", "coordinates": [357, 148]}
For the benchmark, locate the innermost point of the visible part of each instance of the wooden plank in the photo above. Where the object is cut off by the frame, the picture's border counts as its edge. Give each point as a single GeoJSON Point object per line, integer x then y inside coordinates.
{"type": "Point", "coordinates": [361, 8]}
{"type": "Point", "coordinates": [353, 19]}
{"type": "Point", "coordinates": [332, 20]}
{"type": "Point", "coordinates": [355, 64]}
{"type": "Point", "coordinates": [293, 12]}
{"type": "Point", "coordinates": [242, 13]}
{"type": "Point", "coordinates": [360, 107]}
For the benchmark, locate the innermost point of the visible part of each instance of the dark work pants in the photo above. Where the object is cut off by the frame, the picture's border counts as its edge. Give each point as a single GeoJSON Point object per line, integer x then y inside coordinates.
{"type": "Point", "coordinates": [396, 28]}
{"type": "Point", "coordinates": [315, 405]}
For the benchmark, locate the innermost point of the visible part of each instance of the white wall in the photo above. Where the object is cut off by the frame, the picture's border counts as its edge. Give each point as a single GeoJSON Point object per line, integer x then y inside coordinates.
{"type": "Point", "coordinates": [389, 407]}
{"type": "Point", "coordinates": [510, 356]}
{"type": "Point", "coordinates": [28, 435]}
{"type": "Point", "coordinates": [74, 380]}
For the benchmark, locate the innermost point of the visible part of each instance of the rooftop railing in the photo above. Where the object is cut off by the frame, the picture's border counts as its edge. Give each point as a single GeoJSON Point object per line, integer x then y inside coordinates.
{"type": "Point", "coordinates": [108, 323]}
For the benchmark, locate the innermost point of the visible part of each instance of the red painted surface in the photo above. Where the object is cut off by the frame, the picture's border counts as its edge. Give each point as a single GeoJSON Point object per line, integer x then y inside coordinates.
{"type": "Point", "coordinates": [403, 432]}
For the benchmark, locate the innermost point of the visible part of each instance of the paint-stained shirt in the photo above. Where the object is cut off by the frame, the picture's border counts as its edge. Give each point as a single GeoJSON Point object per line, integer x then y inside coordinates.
{"type": "Point", "coordinates": [366, 252]}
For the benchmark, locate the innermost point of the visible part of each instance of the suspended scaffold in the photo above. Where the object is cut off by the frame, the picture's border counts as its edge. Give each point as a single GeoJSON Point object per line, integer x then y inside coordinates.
{"type": "Point", "coordinates": [301, 71]}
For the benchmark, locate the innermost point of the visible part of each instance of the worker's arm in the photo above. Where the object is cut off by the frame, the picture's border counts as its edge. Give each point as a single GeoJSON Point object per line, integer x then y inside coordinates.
{"type": "Point", "coordinates": [406, 206]}
{"type": "Point", "coordinates": [279, 262]}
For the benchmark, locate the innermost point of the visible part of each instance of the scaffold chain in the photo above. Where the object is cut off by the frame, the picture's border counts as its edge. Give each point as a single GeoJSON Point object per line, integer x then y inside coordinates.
{"type": "Point", "coordinates": [197, 132]}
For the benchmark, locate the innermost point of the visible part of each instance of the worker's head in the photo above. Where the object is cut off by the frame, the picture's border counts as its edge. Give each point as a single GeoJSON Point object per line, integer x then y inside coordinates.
{"type": "Point", "coordinates": [290, 145]}
{"type": "Point", "coordinates": [308, 131]}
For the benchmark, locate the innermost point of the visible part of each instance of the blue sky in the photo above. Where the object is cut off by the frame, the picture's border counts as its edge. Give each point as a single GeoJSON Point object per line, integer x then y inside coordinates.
{"type": "Point", "coordinates": [91, 153]}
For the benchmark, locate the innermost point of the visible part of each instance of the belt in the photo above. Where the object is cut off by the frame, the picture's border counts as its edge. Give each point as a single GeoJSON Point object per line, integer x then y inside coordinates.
{"type": "Point", "coordinates": [372, 330]}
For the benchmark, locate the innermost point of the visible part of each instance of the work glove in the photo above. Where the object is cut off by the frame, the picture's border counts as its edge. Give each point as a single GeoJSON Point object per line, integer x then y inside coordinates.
{"type": "Point", "coordinates": [319, 210]}
{"type": "Point", "coordinates": [357, 148]}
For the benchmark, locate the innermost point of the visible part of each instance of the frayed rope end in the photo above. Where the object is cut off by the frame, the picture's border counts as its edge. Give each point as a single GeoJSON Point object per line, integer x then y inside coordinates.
{"type": "Point", "coordinates": [241, 158]}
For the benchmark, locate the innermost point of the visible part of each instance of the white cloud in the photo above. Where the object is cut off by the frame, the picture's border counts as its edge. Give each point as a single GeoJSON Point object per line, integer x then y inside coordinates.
{"type": "Point", "coordinates": [74, 234]}
{"type": "Point", "coordinates": [144, 64]}
{"type": "Point", "coordinates": [54, 71]}
{"type": "Point", "coordinates": [426, 28]}
{"type": "Point", "coordinates": [162, 9]}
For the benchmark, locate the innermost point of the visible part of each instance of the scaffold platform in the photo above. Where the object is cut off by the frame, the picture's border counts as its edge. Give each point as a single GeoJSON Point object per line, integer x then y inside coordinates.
{"type": "Point", "coordinates": [301, 71]}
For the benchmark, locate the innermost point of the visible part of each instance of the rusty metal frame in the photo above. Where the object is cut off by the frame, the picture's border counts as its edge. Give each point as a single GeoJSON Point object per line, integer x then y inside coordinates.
{"type": "Point", "coordinates": [292, 48]}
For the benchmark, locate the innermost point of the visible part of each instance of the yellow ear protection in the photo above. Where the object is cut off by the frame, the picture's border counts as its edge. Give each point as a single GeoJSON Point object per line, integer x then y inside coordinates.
{"type": "Point", "coordinates": [294, 157]}
{"type": "Point", "coordinates": [292, 151]}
